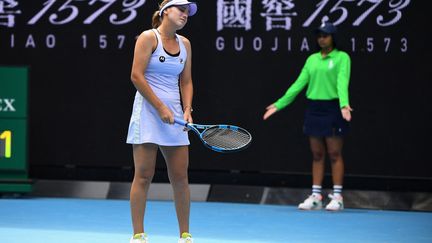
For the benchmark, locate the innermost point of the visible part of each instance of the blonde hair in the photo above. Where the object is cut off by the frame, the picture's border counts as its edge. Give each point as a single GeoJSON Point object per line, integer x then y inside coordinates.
{"type": "Point", "coordinates": [156, 19]}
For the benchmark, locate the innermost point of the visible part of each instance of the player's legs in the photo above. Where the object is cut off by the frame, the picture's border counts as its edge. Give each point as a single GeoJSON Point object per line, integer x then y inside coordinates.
{"type": "Point", "coordinates": [144, 160]}
{"type": "Point", "coordinates": [177, 160]}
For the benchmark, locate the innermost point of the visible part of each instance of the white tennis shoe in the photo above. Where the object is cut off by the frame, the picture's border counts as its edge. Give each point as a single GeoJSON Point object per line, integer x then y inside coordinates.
{"type": "Point", "coordinates": [336, 203]}
{"type": "Point", "coordinates": [142, 239]}
{"type": "Point", "coordinates": [185, 238]}
{"type": "Point", "coordinates": [313, 202]}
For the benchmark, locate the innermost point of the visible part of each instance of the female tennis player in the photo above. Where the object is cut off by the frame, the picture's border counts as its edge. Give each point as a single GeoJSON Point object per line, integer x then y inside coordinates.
{"type": "Point", "coordinates": [326, 75]}
{"type": "Point", "coordinates": [161, 59]}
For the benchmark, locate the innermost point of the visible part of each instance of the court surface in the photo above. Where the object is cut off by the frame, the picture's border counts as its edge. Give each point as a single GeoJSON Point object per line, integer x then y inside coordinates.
{"type": "Point", "coordinates": [45, 220]}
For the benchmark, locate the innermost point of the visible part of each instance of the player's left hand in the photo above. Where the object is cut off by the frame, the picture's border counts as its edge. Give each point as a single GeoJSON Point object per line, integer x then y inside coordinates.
{"type": "Point", "coordinates": [187, 116]}
{"type": "Point", "coordinates": [346, 112]}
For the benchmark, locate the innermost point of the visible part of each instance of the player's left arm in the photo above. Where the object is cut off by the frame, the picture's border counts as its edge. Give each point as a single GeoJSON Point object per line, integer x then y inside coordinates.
{"type": "Point", "coordinates": [343, 79]}
{"type": "Point", "coordinates": [186, 85]}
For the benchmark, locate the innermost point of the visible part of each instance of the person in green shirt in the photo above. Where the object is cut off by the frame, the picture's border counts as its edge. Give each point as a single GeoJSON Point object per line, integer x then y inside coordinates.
{"type": "Point", "coordinates": [326, 74]}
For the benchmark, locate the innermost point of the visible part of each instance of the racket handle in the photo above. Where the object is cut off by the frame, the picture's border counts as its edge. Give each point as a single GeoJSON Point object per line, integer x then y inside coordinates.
{"type": "Point", "coordinates": [180, 121]}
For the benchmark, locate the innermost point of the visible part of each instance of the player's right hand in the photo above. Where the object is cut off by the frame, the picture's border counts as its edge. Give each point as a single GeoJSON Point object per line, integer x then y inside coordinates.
{"type": "Point", "coordinates": [166, 115]}
{"type": "Point", "coordinates": [271, 109]}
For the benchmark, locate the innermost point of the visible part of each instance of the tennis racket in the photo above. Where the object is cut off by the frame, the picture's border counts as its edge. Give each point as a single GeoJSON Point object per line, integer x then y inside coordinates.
{"type": "Point", "coordinates": [220, 138]}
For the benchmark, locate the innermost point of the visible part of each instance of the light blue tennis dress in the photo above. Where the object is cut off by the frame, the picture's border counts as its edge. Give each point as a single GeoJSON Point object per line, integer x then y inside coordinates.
{"type": "Point", "coordinates": [162, 74]}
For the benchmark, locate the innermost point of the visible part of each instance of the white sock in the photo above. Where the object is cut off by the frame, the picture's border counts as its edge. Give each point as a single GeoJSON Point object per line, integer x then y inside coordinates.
{"type": "Point", "coordinates": [337, 190]}
{"type": "Point", "coordinates": [316, 190]}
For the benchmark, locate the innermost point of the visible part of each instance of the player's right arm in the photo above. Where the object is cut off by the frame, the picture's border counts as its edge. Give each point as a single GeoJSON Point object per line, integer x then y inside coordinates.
{"type": "Point", "coordinates": [295, 89]}
{"type": "Point", "coordinates": [290, 94]}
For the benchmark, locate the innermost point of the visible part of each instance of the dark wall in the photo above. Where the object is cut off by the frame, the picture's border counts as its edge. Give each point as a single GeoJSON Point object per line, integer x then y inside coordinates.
{"type": "Point", "coordinates": [81, 95]}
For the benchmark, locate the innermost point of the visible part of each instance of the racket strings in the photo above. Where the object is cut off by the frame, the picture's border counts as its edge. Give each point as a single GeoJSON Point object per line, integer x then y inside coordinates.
{"type": "Point", "coordinates": [226, 138]}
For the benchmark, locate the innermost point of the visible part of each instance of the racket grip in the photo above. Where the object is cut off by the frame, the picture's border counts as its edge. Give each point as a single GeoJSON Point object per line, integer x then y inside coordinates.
{"type": "Point", "coordinates": [180, 121]}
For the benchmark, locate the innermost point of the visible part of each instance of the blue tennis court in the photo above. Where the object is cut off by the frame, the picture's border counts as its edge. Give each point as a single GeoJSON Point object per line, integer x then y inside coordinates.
{"type": "Point", "coordinates": [42, 220]}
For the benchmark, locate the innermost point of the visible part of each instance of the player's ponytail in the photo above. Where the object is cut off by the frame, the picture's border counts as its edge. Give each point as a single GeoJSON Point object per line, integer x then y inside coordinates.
{"type": "Point", "coordinates": [157, 17]}
{"type": "Point", "coordinates": [156, 20]}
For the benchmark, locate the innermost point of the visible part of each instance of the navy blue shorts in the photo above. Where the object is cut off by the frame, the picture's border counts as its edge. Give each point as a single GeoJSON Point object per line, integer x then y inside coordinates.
{"type": "Point", "coordinates": [323, 118]}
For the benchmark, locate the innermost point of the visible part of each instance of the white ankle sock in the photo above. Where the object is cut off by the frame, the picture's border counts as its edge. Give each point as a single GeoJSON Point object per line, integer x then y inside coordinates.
{"type": "Point", "coordinates": [316, 190]}
{"type": "Point", "coordinates": [337, 190]}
